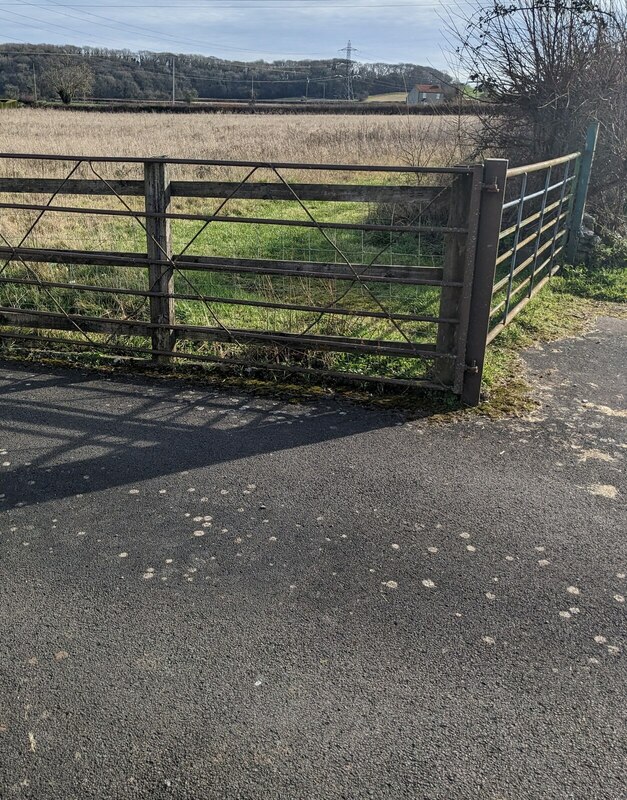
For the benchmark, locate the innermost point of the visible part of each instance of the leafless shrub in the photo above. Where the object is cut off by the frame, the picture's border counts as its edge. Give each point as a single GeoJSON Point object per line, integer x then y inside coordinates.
{"type": "Point", "coordinates": [551, 67]}
{"type": "Point", "coordinates": [69, 79]}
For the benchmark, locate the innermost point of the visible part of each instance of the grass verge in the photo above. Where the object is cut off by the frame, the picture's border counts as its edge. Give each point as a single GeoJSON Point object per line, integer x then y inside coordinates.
{"type": "Point", "coordinates": [566, 307]}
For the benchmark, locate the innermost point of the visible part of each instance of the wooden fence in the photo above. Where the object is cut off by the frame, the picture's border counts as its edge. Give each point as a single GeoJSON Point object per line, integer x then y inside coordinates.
{"type": "Point", "coordinates": [433, 331]}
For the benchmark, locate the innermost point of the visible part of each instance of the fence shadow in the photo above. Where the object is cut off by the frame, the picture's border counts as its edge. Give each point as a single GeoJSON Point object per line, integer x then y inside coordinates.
{"type": "Point", "coordinates": [120, 431]}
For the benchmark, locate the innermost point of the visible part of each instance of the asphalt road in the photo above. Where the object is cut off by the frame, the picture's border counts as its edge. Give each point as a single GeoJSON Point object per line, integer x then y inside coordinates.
{"type": "Point", "coordinates": [205, 595]}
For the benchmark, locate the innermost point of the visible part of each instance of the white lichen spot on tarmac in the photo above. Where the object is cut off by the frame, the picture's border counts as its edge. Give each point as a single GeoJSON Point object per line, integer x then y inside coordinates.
{"type": "Point", "coordinates": [619, 598]}
{"type": "Point", "coordinates": [123, 555]}
{"type": "Point", "coordinates": [391, 585]}
{"type": "Point", "coordinates": [471, 549]}
{"type": "Point", "coordinates": [199, 533]}
{"type": "Point", "coordinates": [396, 547]}
{"type": "Point", "coordinates": [509, 558]}
{"type": "Point", "coordinates": [150, 573]}
{"type": "Point", "coordinates": [573, 590]}
{"type": "Point", "coordinates": [565, 614]}
{"type": "Point", "coordinates": [465, 535]}
{"type": "Point", "coordinates": [133, 491]}
{"type": "Point", "coordinates": [428, 583]}
{"type": "Point", "coordinates": [603, 490]}
{"type": "Point", "coordinates": [544, 562]}
{"type": "Point", "coordinates": [596, 455]}
{"type": "Point", "coordinates": [613, 650]}
{"type": "Point", "coordinates": [488, 640]}
{"type": "Point", "coordinates": [32, 741]}
{"type": "Point", "coordinates": [600, 639]}
{"type": "Point", "coordinates": [606, 410]}
{"type": "Point", "coordinates": [432, 550]}
{"type": "Point", "coordinates": [574, 610]}
{"type": "Point", "coordinates": [490, 595]}
{"type": "Point", "coordinates": [61, 655]}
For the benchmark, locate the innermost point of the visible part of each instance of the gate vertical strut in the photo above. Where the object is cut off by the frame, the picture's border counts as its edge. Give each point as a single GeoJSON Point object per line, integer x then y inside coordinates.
{"type": "Point", "coordinates": [159, 249]}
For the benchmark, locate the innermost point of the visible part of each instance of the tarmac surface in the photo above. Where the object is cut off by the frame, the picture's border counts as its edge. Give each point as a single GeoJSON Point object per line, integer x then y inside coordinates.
{"type": "Point", "coordinates": [210, 595]}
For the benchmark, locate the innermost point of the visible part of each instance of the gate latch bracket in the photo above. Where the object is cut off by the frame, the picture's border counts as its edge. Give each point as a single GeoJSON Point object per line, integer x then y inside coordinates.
{"type": "Point", "coordinates": [490, 187]}
{"type": "Point", "coordinates": [472, 368]}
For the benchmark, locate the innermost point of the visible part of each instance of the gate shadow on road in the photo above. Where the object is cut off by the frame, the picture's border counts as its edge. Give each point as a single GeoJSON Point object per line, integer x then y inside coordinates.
{"type": "Point", "coordinates": [119, 430]}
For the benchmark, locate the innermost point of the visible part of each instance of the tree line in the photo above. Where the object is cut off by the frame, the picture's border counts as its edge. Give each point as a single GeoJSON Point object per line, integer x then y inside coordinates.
{"type": "Point", "coordinates": [68, 72]}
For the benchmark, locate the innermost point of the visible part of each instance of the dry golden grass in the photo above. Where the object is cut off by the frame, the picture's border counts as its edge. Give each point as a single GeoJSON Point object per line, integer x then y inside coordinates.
{"type": "Point", "coordinates": [378, 140]}
{"type": "Point", "coordinates": [402, 140]}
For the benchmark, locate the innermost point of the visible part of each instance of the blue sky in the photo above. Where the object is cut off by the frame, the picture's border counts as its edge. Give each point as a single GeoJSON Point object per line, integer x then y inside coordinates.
{"type": "Point", "coordinates": [381, 30]}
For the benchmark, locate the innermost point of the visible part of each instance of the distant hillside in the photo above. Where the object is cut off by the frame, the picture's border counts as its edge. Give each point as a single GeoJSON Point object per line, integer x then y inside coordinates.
{"type": "Point", "coordinates": [122, 75]}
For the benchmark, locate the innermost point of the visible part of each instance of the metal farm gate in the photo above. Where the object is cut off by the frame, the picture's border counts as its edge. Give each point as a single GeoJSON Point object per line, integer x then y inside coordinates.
{"type": "Point", "coordinates": [397, 275]}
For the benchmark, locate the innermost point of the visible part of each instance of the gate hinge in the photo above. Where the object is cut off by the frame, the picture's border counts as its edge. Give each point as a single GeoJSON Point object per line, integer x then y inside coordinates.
{"type": "Point", "coordinates": [490, 187]}
{"type": "Point", "coordinates": [472, 368]}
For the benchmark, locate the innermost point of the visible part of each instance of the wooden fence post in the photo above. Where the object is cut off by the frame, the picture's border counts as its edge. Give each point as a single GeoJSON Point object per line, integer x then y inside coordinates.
{"type": "Point", "coordinates": [159, 249]}
{"type": "Point", "coordinates": [453, 270]}
{"type": "Point", "coordinates": [581, 191]}
{"type": "Point", "coordinates": [490, 214]}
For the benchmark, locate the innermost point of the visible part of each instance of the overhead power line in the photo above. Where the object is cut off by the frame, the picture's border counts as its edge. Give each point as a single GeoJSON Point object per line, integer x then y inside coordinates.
{"type": "Point", "coordinates": [245, 3]}
{"type": "Point", "coordinates": [117, 26]}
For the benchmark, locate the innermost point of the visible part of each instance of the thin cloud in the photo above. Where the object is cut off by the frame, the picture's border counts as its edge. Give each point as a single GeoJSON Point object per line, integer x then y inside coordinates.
{"type": "Point", "coordinates": [239, 29]}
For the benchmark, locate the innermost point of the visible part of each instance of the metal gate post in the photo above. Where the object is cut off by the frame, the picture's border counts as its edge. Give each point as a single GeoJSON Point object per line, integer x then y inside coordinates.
{"type": "Point", "coordinates": [490, 214]}
{"type": "Point", "coordinates": [159, 250]}
{"type": "Point", "coordinates": [581, 191]}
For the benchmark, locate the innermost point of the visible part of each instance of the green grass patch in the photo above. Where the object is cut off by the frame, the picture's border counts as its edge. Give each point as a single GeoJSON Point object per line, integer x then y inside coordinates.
{"type": "Point", "coordinates": [565, 307]}
{"type": "Point", "coordinates": [598, 282]}
{"type": "Point", "coordinates": [252, 241]}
